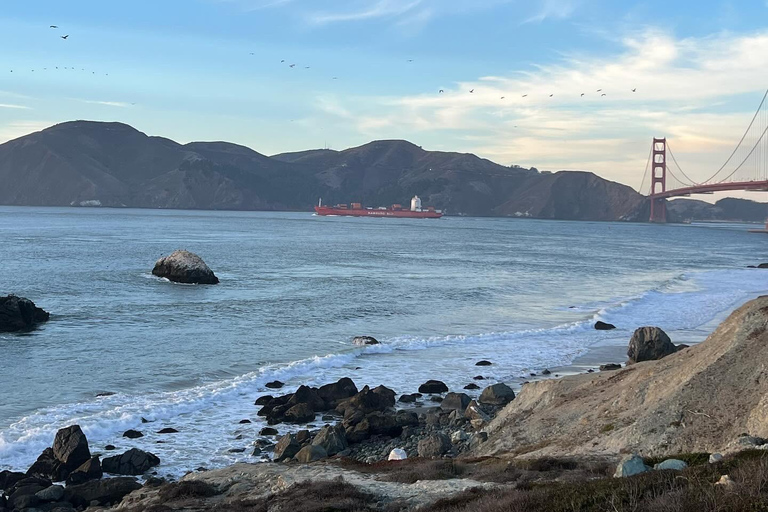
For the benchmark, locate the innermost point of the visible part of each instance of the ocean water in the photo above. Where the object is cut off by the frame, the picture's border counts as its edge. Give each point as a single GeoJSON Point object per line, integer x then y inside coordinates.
{"type": "Point", "coordinates": [295, 288]}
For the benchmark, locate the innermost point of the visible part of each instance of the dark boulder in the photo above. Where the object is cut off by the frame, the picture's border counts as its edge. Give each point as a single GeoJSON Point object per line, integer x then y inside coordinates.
{"type": "Point", "coordinates": [546, 372]}
{"type": "Point", "coordinates": [332, 439]}
{"type": "Point", "coordinates": [483, 363]}
{"type": "Point", "coordinates": [374, 424]}
{"type": "Point", "coordinates": [497, 394]}
{"type": "Point", "coordinates": [407, 399]}
{"type": "Point", "coordinates": [18, 314]}
{"type": "Point", "coordinates": [365, 340]}
{"type": "Point", "coordinates": [478, 377]}
{"type": "Point", "coordinates": [245, 422]}
{"type": "Point", "coordinates": [287, 448]}
{"type": "Point", "coordinates": [609, 367]}
{"type": "Point", "coordinates": [46, 466]}
{"type": "Point", "coordinates": [311, 453]}
{"type": "Point", "coordinates": [168, 430]}
{"type": "Point", "coordinates": [275, 384]}
{"type": "Point", "coordinates": [649, 344]}
{"type": "Point", "coordinates": [334, 393]}
{"type": "Point", "coordinates": [603, 326]}
{"type": "Point", "coordinates": [268, 431]}
{"type": "Point", "coordinates": [263, 400]}
{"type": "Point", "coordinates": [472, 386]}
{"type": "Point", "coordinates": [103, 492]}
{"type": "Point", "coordinates": [90, 470]}
{"type": "Point", "coordinates": [433, 386]}
{"type": "Point", "coordinates": [110, 447]}
{"type": "Point", "coordinates": [299, 413]}
{"type": "Point", "coordinates": [308, 396]}
{"type": "Point", "coordinates": [132, 434]}
{"type": "Point", "coordinates": [132, 462]}
{"type": "Point", "coordinates": [368, 400]}
{"type": "Point", "coordinates": [24, 499]}
{"type": "Point", "coordinates": [184, 267]}
{"type": "Point", "coordinates": [70, 447]}
{"type": "Point", "coordinates": [433, 446]}
{"type": "Point", "coordinates": [455, 402]}
{"type": "Point", "coordinates": [9, 478]}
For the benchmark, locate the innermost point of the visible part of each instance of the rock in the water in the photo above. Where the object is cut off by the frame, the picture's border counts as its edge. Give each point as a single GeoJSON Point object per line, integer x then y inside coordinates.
{"type": "Point", "coordinates": [471, 386]}
{"type": "Point", "coordinates": [268, 431]}
{"type": "Point", "coordinates": [132, 462]}
{"type": "Point", "coordinates": [168, 430]}
{"type": "Point", "coordinates": [603, 326]}
{"type": "Point", "coordinates": [70, 448]}
{"type": "Point", "coordinates": [89, 470]}
{"type": "Point", "coordinates": [109, 490]}
{"type": "Point", "coordinates": [609, 367]}
{"type": "Point", "coordinates": [132, 434]}
{"type": "Point", "coordinates": [483, 363]}
{"type": "Point", "coordinates": [397, 454]}
{"type": "Point", "coordinates": [275, 384]}
{"type": "Point", "coordinates": [478, 377]}
{"type": "Point", "coordinates": [673, 464]}
{"type": "Point", "coordinates": [311, 453]}
{"type": "Point", "coordinates": [19, 314]}
{"type": "Point", "coordinates": [630, 465]}
{"type": "Point", "coordinates": [336, 392]}
{"type": "Point", "coordinates": [649, 344]}
{"type": "Point", "coordinates": [435, 445]}
{"type": "Point", "coordinates": [455, 402]}
{"type": "Point", "coordinates": [365, 340]}
{"type": "Point", "coordinates": [263, 400]}
{"type": "Point", "coordinates": [497, 394]}
{"type": "Point", "coordinates": [407, 399]}
{"type": "Point", "coordinates": [287, 448]}
{"type": "Point", "coordinates": [184, 267]}
{"type": "Point", "coordinates": [433, 386]}
{"type": "Point", "coordinates": [332, 439]}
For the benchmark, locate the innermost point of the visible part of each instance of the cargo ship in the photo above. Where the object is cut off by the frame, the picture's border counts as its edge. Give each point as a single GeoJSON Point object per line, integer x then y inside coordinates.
{"type": "Point", "coordinates": [396, 210]}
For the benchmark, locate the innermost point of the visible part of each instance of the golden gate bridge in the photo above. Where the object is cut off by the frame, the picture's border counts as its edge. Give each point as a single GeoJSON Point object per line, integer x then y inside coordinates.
{"type": "Point", "coordinates": [745, 169]}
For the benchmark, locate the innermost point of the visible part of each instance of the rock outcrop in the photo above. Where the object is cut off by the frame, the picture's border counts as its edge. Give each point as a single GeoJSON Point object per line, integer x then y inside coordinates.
{"type": "Point", "coordinates": [184, 267]}
{"type": "Point", "coordinates": [132, 462]}
{"type": "Point", "coordinates": [694, 400]}
{"type": "Point", "coordinates": [649, 344]}
{"type": "Point", "coordinates": [365, 340]}
{"type": "Point", "coordinates": [18, 314]}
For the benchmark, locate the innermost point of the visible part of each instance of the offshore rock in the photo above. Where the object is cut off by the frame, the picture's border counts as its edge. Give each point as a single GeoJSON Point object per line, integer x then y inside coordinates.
{"type": "Point", "coordinates": [433, 387]}
{"type": "Point", "coordinates": [132, 462]}
{"type": "Point", "coordinates": [184, 267]}
{"type": "Point", "coordinates": [497, 394]}
{"type": "Point", "coordinates": [365, 340]}
{"type": "Point", "coordinates": [603, 326]}
{"type": "Point", "coordinates": [19, 314]}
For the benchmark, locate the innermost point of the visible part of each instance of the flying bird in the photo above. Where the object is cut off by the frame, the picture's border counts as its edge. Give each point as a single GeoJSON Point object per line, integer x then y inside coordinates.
{"type": "Point", "coordinates": [335, 78]}
{"type": "Point", "coordinates": [441, 91]}
{"type": "Point", "coordinates": [582, 95]}
{"type": "Point", "coordinates": [525, 95]}
{"type": "Point", "coordinates": [65, 37]}
{"type": "Point", "coordinates": [282, 60]}
{"type": "Point", "coordinates": [599, 90]}
{"type": "Point", "coordinates": [602, 95]}
{"type": "Point", "coordinates": [634, 90]}
{"type": "Point", "coordinates": [410, 60]}
{"type": "Point", "coordinates": [503, 97]}
{"type": "Point", "coordinates": [253, 53]}
{"type": "Point", "coordinates": [292, 66]}
{"type": "Point", "coordinates": [54, 26]}
{"type": "Point", "coordinates": [471, 91]}
{"type": "Point", "coordinates": [551, 95]}
{"type": "Point", "coordinates": [306, 67]}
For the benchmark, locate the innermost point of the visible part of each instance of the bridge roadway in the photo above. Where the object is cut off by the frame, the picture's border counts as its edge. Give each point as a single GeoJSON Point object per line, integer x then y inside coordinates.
{"type": "Point", "coordinates": [760, 186]}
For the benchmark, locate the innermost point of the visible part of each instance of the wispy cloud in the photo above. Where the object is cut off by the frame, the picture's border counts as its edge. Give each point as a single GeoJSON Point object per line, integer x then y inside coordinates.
{"type": "Point", "coordinates": [117, 104]}
{"type": "Point", "coordinates": [15, 129]}
{"type": "Point", "coordinates": [17, 107]}
{"type": "Point", "coordinates": [555, 9]}
{"type": "Point", "coordinates": [380, 9]}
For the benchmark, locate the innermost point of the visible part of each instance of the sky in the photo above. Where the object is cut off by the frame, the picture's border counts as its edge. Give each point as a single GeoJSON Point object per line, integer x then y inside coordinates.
{"type": "Point", "coordinates": [365, 70]}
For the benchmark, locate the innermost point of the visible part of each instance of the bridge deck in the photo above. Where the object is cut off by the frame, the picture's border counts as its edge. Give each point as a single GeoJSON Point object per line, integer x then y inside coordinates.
{"type": "Point", "coordinates": [761, 186]}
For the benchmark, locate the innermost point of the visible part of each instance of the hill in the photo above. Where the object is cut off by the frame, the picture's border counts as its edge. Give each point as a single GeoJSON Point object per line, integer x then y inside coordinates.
{"type": "Point", "coordinates": [113, 164]}
{"type": "Point", "coordinates": [729, 208]}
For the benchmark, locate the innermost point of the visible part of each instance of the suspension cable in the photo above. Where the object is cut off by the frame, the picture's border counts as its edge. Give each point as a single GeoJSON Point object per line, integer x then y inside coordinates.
{"type": "Point", "coordinates": [749, 155]}
{"type": "Point", "coordinates": [647, 164]}
{"type": "Point", "coordinates": [669, 149]}
{"type": "Point", "coordinates": [740, 142]}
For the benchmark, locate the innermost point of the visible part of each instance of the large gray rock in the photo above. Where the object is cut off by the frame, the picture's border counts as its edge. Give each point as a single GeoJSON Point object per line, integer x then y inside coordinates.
{"type": "Point", "coordinates": [132, 462]}
{"type": "Point", "coordinates": [109, 490]}
{"type": "Point", "coordinates": [184, 267]}
{"type": "Point", "coordinates": [497, 394]}
{"type": "Point", "coordinates": [89, 470]}
{"type": "Point", "coordinates": [287, 448]}
{"type": "Point", "coordinates": [365, 340]}
{"type": "Point", "coordinates": [630, 465]}
{"type": "Point", "coordinates": [332, 439]}
{"type": "Point", "coordinates": [311, 453]}
{"type": "Point", "coordinates": [20, 314]}
{"type": "Point", "coordinates": [455, 402]}
{"type": "Point", "coordinates": [70, 448]}
{"type": "Point", "coordinates": [433, 387]}
{"type": "Point", "coordinates": [673, 464]}
{"type": "Point", "coordinates": [52, 493]}
{"type": "Point", "coordinates": [649, 344]}
{"type": "Point", "coordinates": [435, 445]}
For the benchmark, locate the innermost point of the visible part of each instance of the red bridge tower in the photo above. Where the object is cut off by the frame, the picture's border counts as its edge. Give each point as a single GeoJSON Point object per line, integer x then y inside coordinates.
{"type": "Point", "coordinates": [659, 177]}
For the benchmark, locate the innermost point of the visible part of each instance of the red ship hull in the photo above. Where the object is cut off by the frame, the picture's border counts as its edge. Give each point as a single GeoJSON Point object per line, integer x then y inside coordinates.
{"type": "Point", "coordinates": [366, 212]}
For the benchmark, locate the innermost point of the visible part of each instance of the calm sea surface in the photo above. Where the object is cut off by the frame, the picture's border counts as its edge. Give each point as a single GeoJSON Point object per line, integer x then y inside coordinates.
{"type": "Point", "coordinates": [295, 288]}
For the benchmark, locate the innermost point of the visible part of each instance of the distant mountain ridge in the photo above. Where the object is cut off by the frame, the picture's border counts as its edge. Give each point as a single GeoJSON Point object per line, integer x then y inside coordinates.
{"type": "Point", "coordinates": [113, 164]}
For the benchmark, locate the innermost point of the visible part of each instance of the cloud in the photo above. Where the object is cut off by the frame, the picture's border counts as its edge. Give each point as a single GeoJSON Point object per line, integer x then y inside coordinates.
{"type": "Point", "coordinates": [117, 104]}
{"type": "Point", "coordinates": [699, 92]}
{"type": "Point", "coordinates": [18, 107]}
{"type": "Point", "coordinates": [557, 9]}
{"type": "Point", "coordinates": [380, 9]}
{"type": "Point", "coordinates": [15, 129]}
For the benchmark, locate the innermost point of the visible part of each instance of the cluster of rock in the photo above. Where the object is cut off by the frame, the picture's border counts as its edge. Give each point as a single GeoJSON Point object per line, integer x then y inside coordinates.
{"type": "Point", "coordinates": [18, 314]}
{"type": "Point", "coordinates": [70, 461]}
{"type": "Point", "coordinates": [184, 267]}
{"type": "Point", "coordinates": [365, 424]}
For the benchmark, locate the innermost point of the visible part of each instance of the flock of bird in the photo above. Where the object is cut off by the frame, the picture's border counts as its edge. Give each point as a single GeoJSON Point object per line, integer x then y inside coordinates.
{"type": "Point", "coordinates": [293, 66]}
